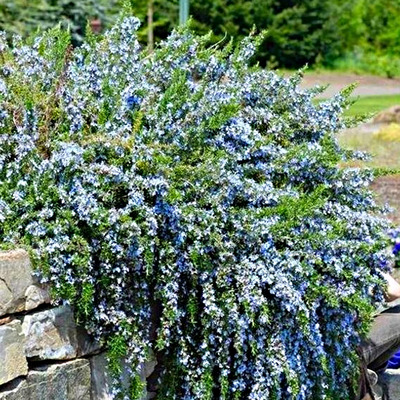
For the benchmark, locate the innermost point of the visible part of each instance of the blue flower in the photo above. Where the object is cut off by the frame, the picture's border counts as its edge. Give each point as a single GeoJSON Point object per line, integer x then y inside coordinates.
{"type": "Point", "coordinates": [133, 102]}
{"type": "Point", "coordinates": [222, 200]}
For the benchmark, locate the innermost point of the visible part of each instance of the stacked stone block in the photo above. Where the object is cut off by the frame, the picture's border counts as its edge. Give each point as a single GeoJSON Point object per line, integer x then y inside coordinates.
{"type": "Point", "coordinates": [44, 355]}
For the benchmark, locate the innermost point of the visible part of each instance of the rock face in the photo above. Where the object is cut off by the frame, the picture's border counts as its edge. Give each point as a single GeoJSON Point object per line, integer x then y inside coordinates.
{"type": "Point", "coordinates": [53, 335]}
{"type": "Point", "coordinates": [12, 358]}
{"type": "Point", "coordinates": [19, 290]}
{"type": "Point", "coordinates": [66, 381]}
{"type": "Point", "coordinates": [388, 386]}
{"type": "Point", "coordinates": [102, 382]}
{"type": "Point", "coordinates": [49, 339]}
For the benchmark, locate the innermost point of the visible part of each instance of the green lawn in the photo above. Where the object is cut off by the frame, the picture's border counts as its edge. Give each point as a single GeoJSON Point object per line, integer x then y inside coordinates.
{"type": "Point", "coordinates": [385, 154]}
{"type": "Point", "coordinates": [373, 104]}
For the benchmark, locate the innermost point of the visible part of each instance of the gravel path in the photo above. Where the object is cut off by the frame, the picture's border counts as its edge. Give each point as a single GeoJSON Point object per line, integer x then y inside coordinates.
{"type": "Point", "coordinates": [367, 85]}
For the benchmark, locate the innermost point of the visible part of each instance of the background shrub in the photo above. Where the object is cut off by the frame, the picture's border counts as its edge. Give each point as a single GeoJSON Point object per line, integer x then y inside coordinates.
{"type": "Point", "coordinates": [357, 35]}
{"type": "Point", "coordinates": [187, 203]}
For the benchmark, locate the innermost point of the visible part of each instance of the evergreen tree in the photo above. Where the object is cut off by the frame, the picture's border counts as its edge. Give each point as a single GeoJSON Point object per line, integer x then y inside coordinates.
{"type": "Point", "coordinates": [24, 17]}
{"type": "Point", "coordinates": [299, 31]}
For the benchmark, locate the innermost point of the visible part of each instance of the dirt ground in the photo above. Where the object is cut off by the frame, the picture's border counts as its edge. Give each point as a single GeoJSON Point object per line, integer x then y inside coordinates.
{"type": "Point", "coordinates": [367, 85]}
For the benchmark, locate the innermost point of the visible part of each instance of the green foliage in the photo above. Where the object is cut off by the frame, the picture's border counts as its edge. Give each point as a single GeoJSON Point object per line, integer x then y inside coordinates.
{"type": "Point", "coordinates": [22, 17]}
{"type": "Point", "coordinates": [25, 17]}
{"type": "Point", "coordinates": [369, 33]}
{"type": "Point", "coordinates": [190, 205]}
{"type": "Point", "coordinates": [365, 34]}
{"type": "Point", "coordinates": [361, 61]}
{"type": "Point", "coordinates": [117, 349]}
{"type": "Point", "coordinates": [298, 32]}
{"type": "Point", "coordinates": [382, 25]}
{"type": "Point", "coordinates": [359, 35]}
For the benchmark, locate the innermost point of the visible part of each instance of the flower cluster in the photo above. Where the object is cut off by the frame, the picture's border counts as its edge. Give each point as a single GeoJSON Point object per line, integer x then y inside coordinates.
{"type": "Point", "coordinates": [190, 204]}
{"type": "Point", "coordinates": [395, 236]}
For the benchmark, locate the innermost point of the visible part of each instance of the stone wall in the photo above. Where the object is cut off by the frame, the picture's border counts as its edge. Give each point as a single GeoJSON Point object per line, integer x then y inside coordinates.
{"type": "Point", "coordinates": [44, 355]}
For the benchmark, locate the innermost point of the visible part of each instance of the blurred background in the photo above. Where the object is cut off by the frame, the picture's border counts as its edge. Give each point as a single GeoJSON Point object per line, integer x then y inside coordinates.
{"type": "Point", "coordinates": [349, 35]}
{"type": "Point", "coordinates": [342, 41]}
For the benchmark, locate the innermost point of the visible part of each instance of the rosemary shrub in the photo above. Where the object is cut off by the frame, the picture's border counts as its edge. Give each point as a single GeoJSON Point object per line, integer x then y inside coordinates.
{"type": "Point", "coordinates": [188, 203]}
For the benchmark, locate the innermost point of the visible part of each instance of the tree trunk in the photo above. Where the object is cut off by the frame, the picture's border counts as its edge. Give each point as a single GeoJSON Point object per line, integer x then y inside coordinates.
{"type": "Point", "coordinates": [150, 28]}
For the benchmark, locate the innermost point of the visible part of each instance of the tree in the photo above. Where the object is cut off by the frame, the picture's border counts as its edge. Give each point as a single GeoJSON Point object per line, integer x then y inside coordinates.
{"type": "Point", "coordinates": [24, 17]}
{"type": "Point", "coordinates": [299, 31]}
{"type": "Point", "coordinates": [382, 25]}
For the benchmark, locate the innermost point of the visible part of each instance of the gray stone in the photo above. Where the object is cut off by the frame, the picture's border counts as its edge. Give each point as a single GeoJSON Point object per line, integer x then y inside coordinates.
{"type": "Point", "coordinates": [35, 296]}
{"type": "Point", "coordinates": [19, 289]}
{"type": "Point", "coordinates": [51, 334]}
{"type": "Point", "coordinates": [65, 381]}
{"type": "Point", "coordinates": [147, 368]}
{"type": "Point", "coordinates": [388, 385]}
{"type": "Point", "coordinates": [101, 378]}
{"type": "Point", "coordinates": [102, 382]}
{"type": "Point", "coordinates": [86, 344]}
{"type": "Point", "coordinates": [12, 358]}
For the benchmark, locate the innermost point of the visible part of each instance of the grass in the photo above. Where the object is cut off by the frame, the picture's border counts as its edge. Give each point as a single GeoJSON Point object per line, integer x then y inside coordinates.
{"type": "Point", "coordinates": [385, 154]}
{"type": "Point", "coordinates": [385, 161]}
{"type": "Point", "coordinates": [372, 104]}
{"type": "Point", "coordinates": [382, 144]}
